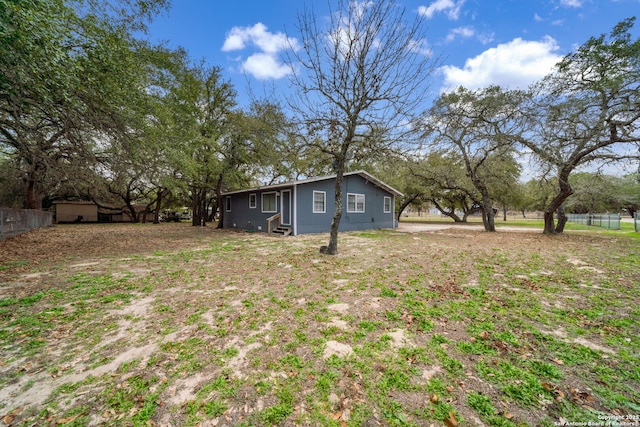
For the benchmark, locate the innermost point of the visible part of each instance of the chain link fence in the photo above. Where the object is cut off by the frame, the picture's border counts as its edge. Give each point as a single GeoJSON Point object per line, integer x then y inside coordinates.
{"type": "Point", "coordinates": [610, 221]}
{"type": "Point", "coordinates": [18, 221]}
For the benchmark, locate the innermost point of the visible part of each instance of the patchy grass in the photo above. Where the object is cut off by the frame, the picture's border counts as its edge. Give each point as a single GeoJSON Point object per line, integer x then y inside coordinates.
{"type": "Point", "coordinates": [194, 326]}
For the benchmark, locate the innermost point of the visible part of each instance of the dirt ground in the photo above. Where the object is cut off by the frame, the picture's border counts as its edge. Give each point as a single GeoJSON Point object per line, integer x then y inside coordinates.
{"type": "Point", "coordinates": [77, 241]}
{"type": "Point", "coordinates": [232, 289]}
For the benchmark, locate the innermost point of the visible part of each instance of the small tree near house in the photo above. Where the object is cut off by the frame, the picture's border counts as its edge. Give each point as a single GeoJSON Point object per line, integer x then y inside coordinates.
{"type": "Point", "coordinates": [359, 81]}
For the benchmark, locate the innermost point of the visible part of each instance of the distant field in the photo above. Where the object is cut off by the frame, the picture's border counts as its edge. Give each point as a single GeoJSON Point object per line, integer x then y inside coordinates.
{"type": "Point", "coordinates": [142, 325]}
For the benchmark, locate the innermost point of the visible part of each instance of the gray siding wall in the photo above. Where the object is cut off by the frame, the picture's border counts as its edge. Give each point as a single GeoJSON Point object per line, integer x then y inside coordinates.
{"type": "Point", "coordinates": [245, 218]}
{"type": "Point", "coordinates": [373, 216]}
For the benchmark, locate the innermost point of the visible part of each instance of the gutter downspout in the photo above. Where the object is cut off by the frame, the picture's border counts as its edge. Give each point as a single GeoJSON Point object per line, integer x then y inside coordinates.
{"type": "Point", "coordinates": [294, 219]}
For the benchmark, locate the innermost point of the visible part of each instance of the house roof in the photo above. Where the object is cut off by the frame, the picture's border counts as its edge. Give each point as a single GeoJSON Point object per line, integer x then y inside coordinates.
{"type": "Point", "coordinates": [367, 176]}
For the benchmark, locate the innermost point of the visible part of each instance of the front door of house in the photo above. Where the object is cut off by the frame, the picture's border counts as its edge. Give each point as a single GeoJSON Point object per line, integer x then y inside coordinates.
{"type": "Point", "coordinates": [285, 207]}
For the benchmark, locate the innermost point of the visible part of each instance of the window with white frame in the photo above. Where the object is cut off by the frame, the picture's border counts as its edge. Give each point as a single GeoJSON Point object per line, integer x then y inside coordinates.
{"type": "Point", "coordinates": [227, 204]}
{"type": "Point", "coordinates": [319, 202]}
{"type": "Point", "coordinates": [387, 204]}
{"type": "Point", "coordinates": [252, 201]}
{"type": "Point", "coordinates": [355, 203]}
{"type": "Point", "coordinates": [269, 202]}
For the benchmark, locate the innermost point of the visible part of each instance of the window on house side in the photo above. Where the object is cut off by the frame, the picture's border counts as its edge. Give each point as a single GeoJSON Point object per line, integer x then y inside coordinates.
{"type": "Point", "coordinates": [319, 202]}
{"type": "Point", "coordinates": [355, 203]}
{"type": "Point", "coordinates": [252, 201]}
{"type": "Point", "coordinates": [228, 204]}
{"type": "Point", "coordinates": [269, 202]}
{"type": "Point", "coordinates": [387, 204]}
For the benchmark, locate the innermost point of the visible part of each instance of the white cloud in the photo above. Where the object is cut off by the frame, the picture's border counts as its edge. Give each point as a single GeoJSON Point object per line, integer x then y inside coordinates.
{"type": "Point", "coordinates": [537, 18]}
{"type": "Point", "coordinates": [263, 64]}
{"type": "Point", "coordinates": [512, 65]}
{"type": "Point", "coordinates": [420, 47]}
{"type": "Point", "coordinates": [464, 32]}
{"type": "Point", "coordinates": [571, 3]}
{"type": "Point", "coordinates": [450, 7]}
{"type": "Point", "coordinates": [485, 38]}
{"type": "Point", "coordinates": [259, 36]}
{"type": "Point", "coordinates": [360, 7]}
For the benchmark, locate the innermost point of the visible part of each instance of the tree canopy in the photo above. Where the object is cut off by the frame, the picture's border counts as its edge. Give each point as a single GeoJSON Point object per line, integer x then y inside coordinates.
{"type": "Point", "coordinates": [88, 110]}
{"type": "Point", "coordinates": [587, 112]}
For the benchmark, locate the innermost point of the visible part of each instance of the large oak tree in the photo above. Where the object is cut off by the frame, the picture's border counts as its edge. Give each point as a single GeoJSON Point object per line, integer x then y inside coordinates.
{"type": "Point", "coordinates": [68, 71]}
{"type": "Point", "coordinates": [469, 125]}
{"type": "Point", "coordinates": [587, 112]}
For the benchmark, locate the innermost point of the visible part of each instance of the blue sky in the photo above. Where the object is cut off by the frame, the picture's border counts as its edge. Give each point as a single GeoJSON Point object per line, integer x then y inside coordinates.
{"type": "Point", "coordinates": [506, 42]}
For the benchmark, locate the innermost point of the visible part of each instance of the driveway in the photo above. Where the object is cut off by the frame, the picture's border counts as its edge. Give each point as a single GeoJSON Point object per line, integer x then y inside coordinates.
{"type": "Point", "coordinates": [416, 227]}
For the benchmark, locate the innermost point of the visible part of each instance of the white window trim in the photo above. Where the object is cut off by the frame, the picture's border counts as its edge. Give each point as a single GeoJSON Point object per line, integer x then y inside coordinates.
{"type": "Point", "coordinates": [357, 196]}
{"type": "Point", "coordinates": [227, 204]}
{"type": "Point", "coordinates": [324, 202]}
{"type": "Point", "coordinates": [275, 194]}
{"type": "Point", "coordinates": [384, 204]}
{"type": "Point", "coordinates": [254, 198]}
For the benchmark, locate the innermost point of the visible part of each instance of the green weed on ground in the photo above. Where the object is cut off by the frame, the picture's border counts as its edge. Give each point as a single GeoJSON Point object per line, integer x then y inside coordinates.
{"type": "Point", "coordinates": [446, 328]}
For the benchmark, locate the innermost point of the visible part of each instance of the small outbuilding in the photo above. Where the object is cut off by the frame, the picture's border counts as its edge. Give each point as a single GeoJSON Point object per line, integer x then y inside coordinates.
{"type": "Point", "coordinates": [75, 211]}
{"type": "Point", "coordinates": [307, 206]}
{"type": "Point", "coordinates": [82, 211]}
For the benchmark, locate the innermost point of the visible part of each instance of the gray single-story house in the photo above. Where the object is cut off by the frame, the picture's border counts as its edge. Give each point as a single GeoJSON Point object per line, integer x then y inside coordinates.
{"type": "Point", "coordinates": [307, 206]}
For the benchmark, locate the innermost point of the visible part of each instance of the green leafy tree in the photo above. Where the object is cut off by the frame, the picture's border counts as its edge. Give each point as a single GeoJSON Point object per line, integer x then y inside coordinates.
{"type": "Point", "coordinates": [468, 124]}
{"type": "Point", "coordinates": [586, 112]}
{"type": "Point", "coordinates": [537, 194]}
{"type": "Point", "coordinates": [445, 185]}
{"type": "Point", "coordinates": [627, 192]}
{"type": "Point", "coordinates": [598, 193]}
{"type": "Point", "coordinates": [593, 193]}
{"type": "Point", "coordinates": [68, 72]}
{"type": "Point", "coordinates": [203, 103]}
{"type": "Point", "coordinates": [397, 172]}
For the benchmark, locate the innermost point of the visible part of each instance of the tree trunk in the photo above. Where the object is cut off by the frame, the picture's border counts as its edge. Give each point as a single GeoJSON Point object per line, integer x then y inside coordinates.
{"type": "Point", "coordinates": [332, 248]}
{"type": "Point", "coordinates": [488, 215]}
{"type": "Point", "coordinates": [562, 220]}
{"type": "Point", "coordinates": [470, 210]}
{"type": "Point", "coordinates": [203, 208]}
{"type": "Point", "coordinates": [549, 224]}
{"type": "Point", "coordinates": [33, 198]}
{"type": "Point", "coordinates": [404, 205]}
{"type": "Point", "coordinates": [156, 211]}
{"type": "Point", "coordinates": [132, 210]}
{"type": "Point", "coordinates": [486, 205]}
{"type": "Point", "coordinates": [564, 191]}
{"type": "Point", "coordinates": [194, 206]}
{"type": "Point", "coordinates": [219, 203]}
{"type": "Point", "coordinates": [128, 201]}
{"type": "Point", "coordinates": [198, 205]}
{"type": "Point", "coordinates": [504, 213]}
{"type": "Point", "coordinates": [450, 213]}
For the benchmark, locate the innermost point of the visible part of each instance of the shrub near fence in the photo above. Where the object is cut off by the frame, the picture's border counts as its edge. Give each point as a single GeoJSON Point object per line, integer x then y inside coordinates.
{"type": "Point", "coordinates": [610, 221]}
{"type": "Point", "coordinates": [18, 221]}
